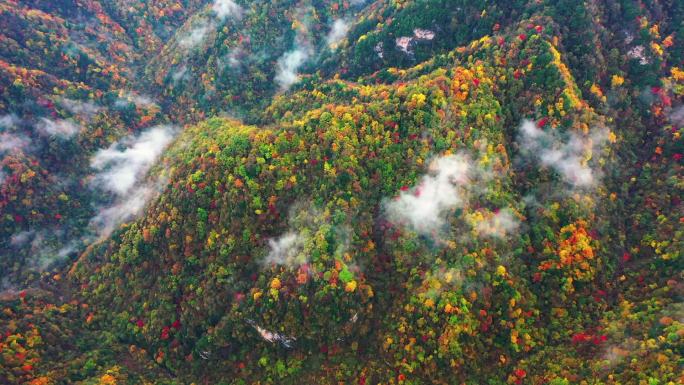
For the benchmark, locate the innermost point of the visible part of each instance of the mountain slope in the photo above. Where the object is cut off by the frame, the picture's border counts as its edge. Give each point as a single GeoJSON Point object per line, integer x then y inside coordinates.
{"type": "Point", "coordinates": [255, 230]}
{"type": "Point", "coordinates": [492, 197]}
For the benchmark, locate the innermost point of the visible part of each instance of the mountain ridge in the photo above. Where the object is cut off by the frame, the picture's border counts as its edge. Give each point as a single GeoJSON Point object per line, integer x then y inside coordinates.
{"type": "Point", "coordinates": [478, 217]}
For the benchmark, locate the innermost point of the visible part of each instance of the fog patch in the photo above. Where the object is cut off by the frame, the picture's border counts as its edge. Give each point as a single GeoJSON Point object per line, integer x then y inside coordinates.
{"type": "Point", "coordinates": [197, 35]}
{"type": "Point", "coordinates": [227, 8]}
{"type": "Point", "coordinates": [85, 110]}
{"type": "Point", "coordinates": [125, 162]}
{"type": "Point", "coordinates": [9, 121]}
{"type": "Point", "coordinates": [293, 248]}
{"type": "Point", "coordinates": [338, 31]}
{"type": "Point", "coordinates": [289, 63]}
{"type": "Point", "coordinates": [11, 142]}
{"type": "Point", "coordinates": [425, 207]}
{"type": "Point", "coordinates": [122, 169]}
{"type": "Point", "coordinates": [286, 250]}
{"type": "Point", "coordinates": [571, 158]}
{"type": "Point", "coordinates": [139, 100]}
{"type": "Point", "coordinates": [45, 247]}
{"type": "Point", "coordinates": [496, 224]}
{"type": "Point", "coordinates": [124, 208]}
{"type": "Point", "coordinates": [677, 117]}
{"type": "Point", "coordinates": [60, 127]}
{"type": "Point", "coordinates": [180, 74]}
{"type": "Point", "coordinates": [232, 59]}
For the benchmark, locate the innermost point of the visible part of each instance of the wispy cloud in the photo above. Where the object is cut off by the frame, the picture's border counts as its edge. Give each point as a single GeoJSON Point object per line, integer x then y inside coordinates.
{"type": "Point", "coordinates": [227, 8]}
{"type": "Point", "coordinates": [294, 247]}
{"type": "Point", "coordinates": [137, 99]}
{"type": "Point", "coordinates": [44, 247]}
{"type": "Point", "coordinates": [286, 250]}
{"type": "Point", "coordinates": [196, 35]}
{"type": "Point", "coordinates": [338, 31]}
{"type": "Point", "coordinates": [10, 142]}
{"type": "Point", "coordinates": [570, 158]}
{"type": "Point", "coordinates": [425, 207]}
{"type": "Point", "coordinates": [126, 162]}
{"type": "Point", "coordinates": [496, 224]}
{"type": "Point", "coordinates": [124, 209]}
{"type": "Point", "coordinates": [677, 116]}
{"type": "Point", "coordinates": [452, 182]}
{"type": "Point", "coordinates": [289, 63]}
{"type": "Point", "coordinates": [85, 110]}
{"type": "Point", "coordinates": [222, 10]}
{"type": "Point", "coordinates": [180, 74]}
{"type": "Point", "coordinates": [122, 170]}
{"type": "Point", "coordinates": [63, 128]}
{"type": "Point", "coordinates": [9, 121]}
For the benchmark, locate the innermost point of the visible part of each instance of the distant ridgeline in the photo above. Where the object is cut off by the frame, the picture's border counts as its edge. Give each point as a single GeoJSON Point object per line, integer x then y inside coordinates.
{"type": "Point", "coordinates": [388, 192]}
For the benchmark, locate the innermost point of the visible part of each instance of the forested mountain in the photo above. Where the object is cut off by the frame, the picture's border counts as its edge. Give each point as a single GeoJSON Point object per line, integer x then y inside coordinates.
{"type": "Point", "coordinates": [341, 192]}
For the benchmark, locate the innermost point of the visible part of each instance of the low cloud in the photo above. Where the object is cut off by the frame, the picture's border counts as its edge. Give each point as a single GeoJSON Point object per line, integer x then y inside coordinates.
{"type": "Point", "coordinates": [124, 163]}
{"type": "Point", "coordinates": [286, 250]}
{"type": "Point", "coordinates": [338, 32]}
{"type": "Point", "coordinates": [570, 158]}
{"type": "Point", "coordinates": [12, 142]}
{"type": "Point", "coordinates": [294, 247]}
{"type": "Point", "coordinates": [453, 182]}
{"type": "Point", "coordinates": [677, 116]}
{"type": "Point", "coordinates": [124, 209]}
{"type": "Point", "coordinates": [60, 127]}
{"type": "Point", "coordinates": [180, 74]}
{"type": "Point", "coordinates": [497, 225]}
{"type": "Point", "coordinates": [9, 121]}
{"type": "Point", "coordinates": [85, 110]}
{"type": "Point", "coordinates": [20, 239]}
{"type": "Point", "coordinates": [138, 100]}
{"type": "Point", "coordinates": [289, 63]}
{"type": "Point", "coordinates": [45, 247]}
{"type": "Point", "coordinates": [197, 35]}
{"type": "Point", "coordinates": [123, 168]}
{"type": "Point", "coordinates": [425, 207]}
{"type": "Point", "coordinates": [232, 59]}
{"type": "Point", "coordinates": [227, 8]}
{"type": "Point", "coordinates": [222, 9]}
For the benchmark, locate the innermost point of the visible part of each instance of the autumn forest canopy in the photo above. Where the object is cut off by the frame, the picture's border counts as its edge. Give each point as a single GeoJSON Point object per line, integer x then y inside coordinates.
{"type": "Point", "coordinates": [361, 192]}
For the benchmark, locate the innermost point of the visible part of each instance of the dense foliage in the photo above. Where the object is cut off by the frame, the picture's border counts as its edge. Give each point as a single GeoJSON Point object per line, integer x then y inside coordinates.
{"type": "Point", "coordinates": [470, 192]}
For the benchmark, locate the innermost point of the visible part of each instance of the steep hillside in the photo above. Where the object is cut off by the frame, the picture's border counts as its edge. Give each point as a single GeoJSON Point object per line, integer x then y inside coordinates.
{"type": "Point", "coordinates": [235, 60]}
{"type": "Point", "coordinates": [397, 192]}
{"type": "Point", "coordinates": [68, 87]}
{"type": "Point", "coordinates": [307, 234]}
